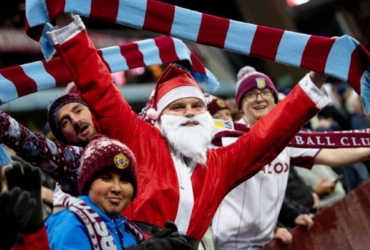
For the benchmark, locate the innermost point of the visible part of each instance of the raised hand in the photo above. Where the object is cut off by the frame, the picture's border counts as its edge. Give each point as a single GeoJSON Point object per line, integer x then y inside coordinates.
{"type": "Point", "coordinates": [16, 209]}
{"type": "Point", "coordinates": [30, 181]}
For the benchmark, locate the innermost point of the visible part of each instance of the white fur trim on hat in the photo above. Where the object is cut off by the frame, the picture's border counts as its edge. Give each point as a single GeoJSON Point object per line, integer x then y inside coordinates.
{"type": "Point", "coordinates": [152, 114]}
{"type": "Point", "coordinates": [179, 93]}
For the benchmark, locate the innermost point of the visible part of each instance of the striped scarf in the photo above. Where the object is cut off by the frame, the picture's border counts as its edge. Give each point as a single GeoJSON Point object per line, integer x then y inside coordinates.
{"type": "Point", "coordinates": [304, 139]}
{"type": "Point", "coordinates": [98, 232]}
{"type": "Point", "coordinates": [343, 58]}
{"type": "Point", "coordinates": [22, 80]}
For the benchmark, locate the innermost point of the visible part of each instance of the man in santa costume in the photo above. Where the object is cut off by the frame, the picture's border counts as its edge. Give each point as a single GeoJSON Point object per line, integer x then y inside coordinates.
{"type": "Point", "coordinates": [179, 178]}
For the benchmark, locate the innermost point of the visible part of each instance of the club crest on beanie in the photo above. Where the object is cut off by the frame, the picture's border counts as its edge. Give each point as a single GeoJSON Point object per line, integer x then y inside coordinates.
{"type": "Point", "coordinates": [215, 104]}
{"type": "Point", "coordinates": [248, 79]}
{"type": "Point", "coordinates": [105, 153]}
{"type": "Point", "coordinates": [53, 108]}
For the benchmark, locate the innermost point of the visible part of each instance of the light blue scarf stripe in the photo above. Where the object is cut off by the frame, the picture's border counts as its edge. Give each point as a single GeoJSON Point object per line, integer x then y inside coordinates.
{"type": "Point", "coordinates": [132, 13]}
{"type": "Point", "coordinates": [81, 7]}
{"type": "Point", "coordinates": [37, 12]}
{"type": "Point", "coordinates": [8, 91]}
{"type": "Point", "coordinates": [240, 37]}
{"type": "Point", "coordinates": [339, 59]}
{"type": "Point", "coordinates": [186, 24]}
{"type": "Point", "coordinates": [150, 52]}
{"type": "Point", "coordinates": [291, 48]}
{"type": "Point", "coordinates": [36, 71]}
{"type": "Point", "coordinates": [113, 57]}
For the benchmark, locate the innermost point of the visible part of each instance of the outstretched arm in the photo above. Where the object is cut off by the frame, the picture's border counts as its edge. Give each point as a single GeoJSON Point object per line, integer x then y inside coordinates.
{"type": "Point", "coordinates": [59, 161]}
{"type": "Point", "coordinates": [340, 157]}
{"type": "Point", "coordinates": [271, 134]}
{"type": "Point", "coordinates": [94, 81]}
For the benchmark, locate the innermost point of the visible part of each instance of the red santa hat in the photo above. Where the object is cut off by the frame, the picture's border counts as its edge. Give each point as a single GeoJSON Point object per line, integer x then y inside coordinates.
{"type": "Point", "coordinates": [174, 84]}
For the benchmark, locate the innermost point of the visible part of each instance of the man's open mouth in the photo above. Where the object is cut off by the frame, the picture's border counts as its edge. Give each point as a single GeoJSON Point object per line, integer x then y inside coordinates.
{"type": "Point", "coordinates": [83, 129]}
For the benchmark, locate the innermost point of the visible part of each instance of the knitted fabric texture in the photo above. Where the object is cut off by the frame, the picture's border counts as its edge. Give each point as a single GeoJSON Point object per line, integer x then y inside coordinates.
{"type": "Point", "coordinates": [21, 80]}
{"type": "Point", "coordinates": [217, 104]}
{"type": "Point", "coordinates": [248, 79]}
{"type": "Point", "coordinates": [105, 153]}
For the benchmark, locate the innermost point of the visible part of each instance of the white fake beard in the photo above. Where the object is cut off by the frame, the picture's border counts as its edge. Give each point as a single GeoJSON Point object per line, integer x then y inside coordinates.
{"type": "Point", "coordinates": [191, 141]}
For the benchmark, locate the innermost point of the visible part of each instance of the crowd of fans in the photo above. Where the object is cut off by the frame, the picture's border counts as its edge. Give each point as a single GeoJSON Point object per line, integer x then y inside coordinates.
{"type": "Point", "coordinates": [111, 180]}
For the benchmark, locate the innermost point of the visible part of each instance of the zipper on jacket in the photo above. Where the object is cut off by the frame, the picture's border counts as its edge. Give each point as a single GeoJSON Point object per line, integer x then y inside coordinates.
{"type": "Point", "coordinates": [120, 236]}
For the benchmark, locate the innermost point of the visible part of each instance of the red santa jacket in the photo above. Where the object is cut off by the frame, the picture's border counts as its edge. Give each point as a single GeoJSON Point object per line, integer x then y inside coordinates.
{"type": "Point", "coordinates": [159, 193]}
{"type": "Point", "coordinates": [33, 241]}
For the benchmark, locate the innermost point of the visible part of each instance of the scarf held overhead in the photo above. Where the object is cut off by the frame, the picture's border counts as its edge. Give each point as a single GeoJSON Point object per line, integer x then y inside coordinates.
{"type": "Point", "coordinates": [22, 80]}
{"type": "Point", "coordinates": [343, 58]}
{"type": "Point", "coordinates": [337, 139]}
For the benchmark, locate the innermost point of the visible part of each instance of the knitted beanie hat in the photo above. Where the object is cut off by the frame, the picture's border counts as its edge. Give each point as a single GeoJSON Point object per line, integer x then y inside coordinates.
{"type": "Point", "coordinates": [216, 104]}
{"type": "Point", "coordinates": [248, 79]}
{"type": "Point", "coordinates": [174, 84]}
{"type": "Point", "coordinates": [53, 109]}
{"type": "Point", "coordinates": [105, 153]}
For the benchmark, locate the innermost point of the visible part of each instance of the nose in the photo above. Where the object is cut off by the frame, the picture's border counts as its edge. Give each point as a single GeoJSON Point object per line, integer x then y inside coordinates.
{"type": "Point", "coordinates": [116, 187]}
{"type": "Point", "coordinates": [189, 112]}
{"type": "Point", "coordinates": [75, 119]}
{"type": "Point", "coordinates": [259, 97]}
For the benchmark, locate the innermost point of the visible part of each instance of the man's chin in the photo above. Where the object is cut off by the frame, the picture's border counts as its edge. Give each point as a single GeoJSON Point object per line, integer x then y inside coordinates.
{"type": "Point", "coordinates": [84, 140]}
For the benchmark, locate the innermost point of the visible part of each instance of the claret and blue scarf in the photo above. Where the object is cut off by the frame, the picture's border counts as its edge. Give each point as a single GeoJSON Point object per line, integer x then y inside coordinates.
{"type": "Point", "coordinates": [343, 58]}
{"type": "Point", "coordinates": [22, 80]}
{"type": "Point", "coordinates": [304, 139]}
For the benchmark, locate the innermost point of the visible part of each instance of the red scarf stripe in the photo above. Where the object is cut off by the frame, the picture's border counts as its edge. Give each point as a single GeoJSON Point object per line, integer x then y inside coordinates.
{"type": "Point", "coordinates": [133, 56]}
{"type": "Point", "coordinates": [266, 42]}
{"type": "Point", "coordinates": [105, 10]}
{"type": "Point", "coordinates": [167, 51]}
{"type": "Point", "coordinates": [316, 53]}
{"type": "Point", "coordinates": [34, 32]}
{"type": "Point", "coordinates": [213, 30]}
{"type": "Point", "coordinates": [159, 17]}
{"type": "Point", "coordinates": [55, 7]}
{"type": "Point", "coordinates": [58, 70]}
{"type": "Point", "coordinates": [356, 69]}
{"type": "Point", "coordinates": [197, 64]}
{"type": "Point", "coordinates": [23, 83]}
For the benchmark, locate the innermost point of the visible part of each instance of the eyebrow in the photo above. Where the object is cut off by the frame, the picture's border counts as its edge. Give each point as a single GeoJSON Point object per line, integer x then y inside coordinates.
{"type": "Point", "coordinates": [77, 106]}
{"type": "Point", "coordinates": [176, 104]}
{"type": "Point", "coordinates": [66, 116]}
{"type": "Point", "coordinates": [258, 90]}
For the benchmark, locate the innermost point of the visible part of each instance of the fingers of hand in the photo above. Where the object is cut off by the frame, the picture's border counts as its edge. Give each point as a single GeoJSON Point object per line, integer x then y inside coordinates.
{"type": "Point", "coordinates": [14, 176]}
{"type": "Point", "coordinates": [284, 235]}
